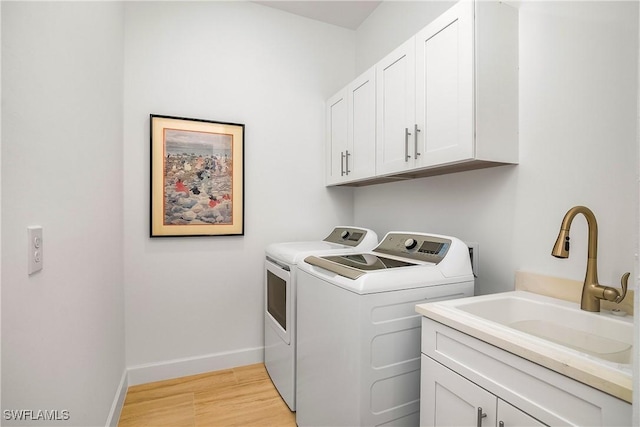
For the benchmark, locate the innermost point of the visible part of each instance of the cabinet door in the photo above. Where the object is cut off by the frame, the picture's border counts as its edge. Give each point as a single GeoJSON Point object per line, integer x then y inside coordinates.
{"type": "Point", "coordinates": [510, 416]}
{"type": "Point", "coordinates": [360, 159]}
{"type": "Point", "coordinates": [395, 81]}
{"type": "Point", "coordinates": [445, 87]}
{"type": "Point", "coordinates": [337, 135]}
{"type": "Point", "coordinates": [448, 399]}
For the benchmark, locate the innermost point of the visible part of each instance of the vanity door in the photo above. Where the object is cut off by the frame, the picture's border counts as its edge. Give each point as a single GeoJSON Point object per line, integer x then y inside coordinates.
{"type": "Point", "coordinates": [510, 416]}
{"type": "Point", "coordinates": [449, 399]}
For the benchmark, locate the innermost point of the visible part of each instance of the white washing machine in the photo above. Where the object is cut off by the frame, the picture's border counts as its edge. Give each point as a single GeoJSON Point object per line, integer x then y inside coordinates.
{"type": "Point", "coordinates": [280, 299]}
{"type": "Point", "coordinates": [359, 336]}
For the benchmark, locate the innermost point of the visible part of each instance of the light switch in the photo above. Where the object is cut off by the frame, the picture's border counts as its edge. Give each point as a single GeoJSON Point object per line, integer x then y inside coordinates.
{"type": "Point", "coordinates": [34, 249]}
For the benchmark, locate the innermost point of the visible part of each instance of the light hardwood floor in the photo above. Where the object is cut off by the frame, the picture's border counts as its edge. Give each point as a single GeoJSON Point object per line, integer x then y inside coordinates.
{"type": "Point", "coordinates": [243, 396]}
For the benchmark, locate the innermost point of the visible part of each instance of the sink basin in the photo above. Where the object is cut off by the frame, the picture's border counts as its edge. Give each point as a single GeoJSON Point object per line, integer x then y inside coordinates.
{"type": "Point", "coordinates": [601, 335]}
{"type": "Point", "coordinates": [593, 348]}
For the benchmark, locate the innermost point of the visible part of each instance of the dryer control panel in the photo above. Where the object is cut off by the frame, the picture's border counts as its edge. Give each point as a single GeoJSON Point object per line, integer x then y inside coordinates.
{"type": "Point", "coordinates": [349, 236]}
{"type": "Point", "coordinates": [421, 247]}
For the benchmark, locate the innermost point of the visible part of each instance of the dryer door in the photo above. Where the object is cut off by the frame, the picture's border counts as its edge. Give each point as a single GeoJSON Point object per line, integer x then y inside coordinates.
{"type": "Point", "coordinates": [278, 299]}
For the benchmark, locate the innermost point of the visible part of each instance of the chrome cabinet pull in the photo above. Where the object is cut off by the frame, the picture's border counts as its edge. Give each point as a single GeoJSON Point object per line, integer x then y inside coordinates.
{"type": "Point", "coordinates": [481, 415]}
{"type": "Point", "coordinates": [406, 144]}
{"type": "Point", "coordinates": [342, 156]}
{"type": "Point", "coordinates": [415, 139]}
{"type": "Point", "coordinates": [347, 162]}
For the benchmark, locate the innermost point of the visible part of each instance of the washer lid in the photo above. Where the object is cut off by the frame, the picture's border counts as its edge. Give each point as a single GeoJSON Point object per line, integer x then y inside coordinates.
{"type": "Point", "coordinates": [368, 262]}
{"type": "Point", "coordinates": [353, 266]}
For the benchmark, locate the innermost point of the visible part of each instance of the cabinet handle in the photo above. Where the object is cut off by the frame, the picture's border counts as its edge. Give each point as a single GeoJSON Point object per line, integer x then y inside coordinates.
{"type": "Point", "coordinates": [347, 162]}
{"type": "Point", "coordinates": [406, 144]}
{"type": "Point", "coordinates": [415, 140]}
{"type": "Point", "coordinates": [342, 156]}
{"type": "Point", "coordinates": [501, 424]}
{"type": "Point", "coordinates": [481, 415]}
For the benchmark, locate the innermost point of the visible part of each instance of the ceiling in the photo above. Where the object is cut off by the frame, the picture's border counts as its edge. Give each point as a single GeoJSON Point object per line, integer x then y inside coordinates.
{"type": "Point", "coordinates": [347, 14]}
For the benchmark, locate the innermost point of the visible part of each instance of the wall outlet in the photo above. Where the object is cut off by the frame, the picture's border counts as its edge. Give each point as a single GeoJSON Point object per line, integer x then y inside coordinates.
{"type": "Point", "coordinates": [34, 249]}
{"type": "Point", "coordinates": [473, 256]}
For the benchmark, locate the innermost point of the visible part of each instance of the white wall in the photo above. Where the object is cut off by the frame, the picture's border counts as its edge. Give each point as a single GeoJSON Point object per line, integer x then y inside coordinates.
{"type": "Point", "coordinates": [236, 62]}
{"type": "Point", "coordinates": [62, 328]}
{"type": "Point", "coordinates": [578, 90]}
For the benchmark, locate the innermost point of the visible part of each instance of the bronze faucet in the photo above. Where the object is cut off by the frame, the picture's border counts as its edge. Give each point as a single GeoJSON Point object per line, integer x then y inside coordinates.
{"type": "Point", "coordinates": [592, 292]}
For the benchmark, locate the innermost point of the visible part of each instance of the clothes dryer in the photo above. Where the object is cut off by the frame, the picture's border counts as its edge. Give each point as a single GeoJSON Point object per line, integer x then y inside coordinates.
{"type": "Point", "coordinates": [280, 299]}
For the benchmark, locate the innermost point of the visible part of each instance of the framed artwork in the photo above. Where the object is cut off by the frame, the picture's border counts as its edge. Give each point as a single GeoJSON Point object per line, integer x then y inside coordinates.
{"type": "Point", "coordinates": [197, 177]}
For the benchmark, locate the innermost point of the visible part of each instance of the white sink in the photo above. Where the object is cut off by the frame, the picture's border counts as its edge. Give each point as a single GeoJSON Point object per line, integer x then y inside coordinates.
{"type": "Point", "coordinates": [601, 335]}
{"type": "Point", "coordinates": [593, 348]}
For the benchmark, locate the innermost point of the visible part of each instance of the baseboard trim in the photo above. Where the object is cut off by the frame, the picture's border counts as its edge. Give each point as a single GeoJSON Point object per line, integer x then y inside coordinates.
{"type": "Point", "coordinates": [118, 401]}
{"type": "Point", "coordinates": [147, 373]}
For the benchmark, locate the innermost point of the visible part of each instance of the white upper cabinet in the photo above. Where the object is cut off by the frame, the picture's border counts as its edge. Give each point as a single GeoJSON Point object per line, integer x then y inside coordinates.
{"type": "Point", "coordinates": [446, 100]}
{"type": "Point", "coordinates": [444, 86]}
{"type": "Point", "coordinates": [396, 108]}
{"type": "Point", "coordinates": [362, 125]}
{"type": "Point", "coordinates": [351, 131]}
{"type": "Point", "coordinates": [336, 145]}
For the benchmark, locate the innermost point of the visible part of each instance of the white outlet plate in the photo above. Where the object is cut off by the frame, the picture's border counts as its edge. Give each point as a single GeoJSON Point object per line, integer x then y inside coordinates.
{"type": "Point", "coordinates": [35, 247]}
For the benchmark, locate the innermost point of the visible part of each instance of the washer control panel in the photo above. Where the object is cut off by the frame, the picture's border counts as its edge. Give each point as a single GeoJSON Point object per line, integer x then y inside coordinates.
{"type": "Point", "coordinates": [415, 246]}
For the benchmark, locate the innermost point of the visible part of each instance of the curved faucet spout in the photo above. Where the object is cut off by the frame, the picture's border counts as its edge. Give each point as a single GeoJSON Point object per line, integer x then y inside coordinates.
{"type": "Point", "coordinates": [592, 291]}
{"type": "Point", "coordinates": [561, 247]}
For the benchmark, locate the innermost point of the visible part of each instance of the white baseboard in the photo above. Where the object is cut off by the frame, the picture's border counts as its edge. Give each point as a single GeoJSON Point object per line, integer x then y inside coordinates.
{"type": "Point", "coordinates": [142, 374]}
{"type": "Point", "coordinates": [118, 401]}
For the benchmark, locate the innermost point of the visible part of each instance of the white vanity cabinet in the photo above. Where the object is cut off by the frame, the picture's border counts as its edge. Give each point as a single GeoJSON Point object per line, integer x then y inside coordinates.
{"type": "Point", "coordinates": [452, 400]}
{"type": "Point", "coordinates": [467, 382]}
{"type": "Point", "coordinates": [351, 131]}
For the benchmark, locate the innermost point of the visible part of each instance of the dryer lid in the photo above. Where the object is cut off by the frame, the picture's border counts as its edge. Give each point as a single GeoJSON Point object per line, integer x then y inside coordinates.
{"type": "Point", "coordinates": [340, 240]}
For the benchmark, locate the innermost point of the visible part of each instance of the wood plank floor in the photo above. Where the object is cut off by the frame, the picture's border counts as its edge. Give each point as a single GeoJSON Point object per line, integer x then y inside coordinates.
{"type": "Point", "coordinates": [243, 396]}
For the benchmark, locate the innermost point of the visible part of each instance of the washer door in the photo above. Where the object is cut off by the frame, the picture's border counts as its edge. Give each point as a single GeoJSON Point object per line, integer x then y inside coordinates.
{"type": "Point", "coordinates": [278, 299]}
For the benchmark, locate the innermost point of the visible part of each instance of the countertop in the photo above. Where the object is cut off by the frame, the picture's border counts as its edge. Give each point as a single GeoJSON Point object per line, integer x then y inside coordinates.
{"type": "Point", "coordinates": [612, 378]}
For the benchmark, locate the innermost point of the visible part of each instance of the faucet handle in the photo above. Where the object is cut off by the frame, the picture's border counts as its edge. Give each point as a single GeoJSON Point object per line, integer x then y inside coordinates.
{"type": "Point", "coordinates": [623, 284]}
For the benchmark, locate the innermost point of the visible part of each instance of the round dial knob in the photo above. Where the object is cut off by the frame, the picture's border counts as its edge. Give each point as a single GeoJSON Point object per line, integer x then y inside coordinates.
{"type": "Point", "coordinates": [345, 234]}
{"type": "Point", "coordinates": [410, 243]}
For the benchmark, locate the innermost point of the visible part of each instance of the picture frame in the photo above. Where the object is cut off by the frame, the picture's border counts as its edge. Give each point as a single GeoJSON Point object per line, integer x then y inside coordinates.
{"type": "Point", "coordinates": [197, 177]}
